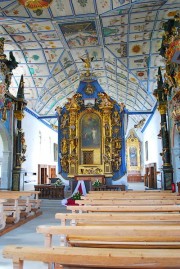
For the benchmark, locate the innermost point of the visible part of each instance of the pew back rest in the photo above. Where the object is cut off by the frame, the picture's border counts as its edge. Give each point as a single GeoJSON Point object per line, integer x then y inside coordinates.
{"type": "Point", "coordinates": [124, 208]}
{"type": "Point", "coordinates": [130, 202]}
{"type": "Point", "coordinates": [131, 218]}
{"type": "Point", "coordinates": [95, 258]}
{"type": "Point", "coordinates": [138, 233]}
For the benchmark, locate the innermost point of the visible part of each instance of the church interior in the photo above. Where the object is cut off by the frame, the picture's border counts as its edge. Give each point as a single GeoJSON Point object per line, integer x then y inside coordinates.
{"type": "Point", "coordinates": [89, 109]}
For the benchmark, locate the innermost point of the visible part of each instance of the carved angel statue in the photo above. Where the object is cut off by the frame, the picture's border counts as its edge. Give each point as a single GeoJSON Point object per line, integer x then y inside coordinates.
{"type": "Point", "coordinates": [87, 61]}
{"type": "Point", "coordinates": [58, 109]}
{"type": "Point", "coordinates": [139, 124]}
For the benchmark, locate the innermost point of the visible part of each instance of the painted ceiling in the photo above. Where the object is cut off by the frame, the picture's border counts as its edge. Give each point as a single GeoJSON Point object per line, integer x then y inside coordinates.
{"type": "Point", "coordinates": [122, 36]}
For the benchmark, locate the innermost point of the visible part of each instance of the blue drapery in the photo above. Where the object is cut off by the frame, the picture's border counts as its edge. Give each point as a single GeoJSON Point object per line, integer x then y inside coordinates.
{"type": "Point", "coordinates": [97, 89]}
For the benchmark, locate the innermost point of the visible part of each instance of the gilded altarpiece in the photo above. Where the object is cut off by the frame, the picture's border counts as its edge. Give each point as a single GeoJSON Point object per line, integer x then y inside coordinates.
{"type": "Point", "coordinates": [133, 149]}
{"type": "Point", "coordinates": [90, 137]}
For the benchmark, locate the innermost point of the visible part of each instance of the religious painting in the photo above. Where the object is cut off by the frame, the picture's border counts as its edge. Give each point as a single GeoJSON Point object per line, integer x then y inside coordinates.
{"type": "Point", "coordinates": [146, 150]}
{"type": "Point", "coordinates": [91, 131]}
{"type": "Point", "coordinates": [133, 156]}
{"type": "Point", "coordinates": [55, 152]}
{"type": "Point", "coordinates": [80, 34]}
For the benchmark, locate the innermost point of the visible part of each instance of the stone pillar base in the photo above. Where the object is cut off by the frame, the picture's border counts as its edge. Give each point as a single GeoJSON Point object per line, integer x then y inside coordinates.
{"type": "Point", "coordinates": [18, 179]}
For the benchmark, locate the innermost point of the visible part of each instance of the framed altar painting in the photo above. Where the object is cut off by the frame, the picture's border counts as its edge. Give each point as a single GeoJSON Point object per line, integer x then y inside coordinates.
{"type": "Point", "coordinates": [90, 131]}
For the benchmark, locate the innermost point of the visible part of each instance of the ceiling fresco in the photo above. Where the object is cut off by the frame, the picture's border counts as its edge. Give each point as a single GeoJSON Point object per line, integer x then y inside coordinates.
{"type": "Point", "coordinates": [122, 36]}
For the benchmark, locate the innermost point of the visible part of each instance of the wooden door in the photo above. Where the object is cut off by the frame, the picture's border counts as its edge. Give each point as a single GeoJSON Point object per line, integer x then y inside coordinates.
{"type": "Point", "coordinates": [151, 175]}
{"type": "Point", "coordinates": [43, 178]}
{"type": "Point", "coordinates": [52, 172]}
{"type": "Point", "coordinates": [42, 174]}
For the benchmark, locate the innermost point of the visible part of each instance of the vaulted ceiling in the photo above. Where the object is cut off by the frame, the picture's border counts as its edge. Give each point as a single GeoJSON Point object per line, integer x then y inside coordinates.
{"type": "Point", "coordinates": [123, 36]}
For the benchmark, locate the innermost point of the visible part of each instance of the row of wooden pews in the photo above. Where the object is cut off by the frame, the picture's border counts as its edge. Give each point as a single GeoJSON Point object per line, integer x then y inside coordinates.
{"type": "Point", "coordinates": [145, 235]}
{"type": "Point", "coordinates": [17, 205]}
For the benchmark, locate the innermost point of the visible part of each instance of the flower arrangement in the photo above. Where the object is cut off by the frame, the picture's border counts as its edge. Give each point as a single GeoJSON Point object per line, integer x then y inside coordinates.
{"type": "Point", "coordinates": [97, 183]}
{"type": "Point", "coordinates": [58, 182]}
{"type": "Point", "coordinates": [76, 196]}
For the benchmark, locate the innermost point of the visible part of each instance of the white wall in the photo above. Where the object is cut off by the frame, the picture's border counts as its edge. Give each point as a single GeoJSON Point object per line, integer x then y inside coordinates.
{"type": "Point", "coordinates": [40, 141]}
{"type": "Point", "coordinates": [154, 144]}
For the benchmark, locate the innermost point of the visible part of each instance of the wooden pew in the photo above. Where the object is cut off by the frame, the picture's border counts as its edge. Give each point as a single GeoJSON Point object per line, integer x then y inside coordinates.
{"type": "Point", "coordinates": [29, 198]}
{"type": "Point", "coordinates": [12, 211]}
{"type": "Point", "coordinates": [18, 204]}
{"type": "Point", "coordinates": [129, 202]}
{"type": "Point", "coordinates": [132, 195]}
{"type": "Point", "coordinates": [2, 214]}
{"type": "Point", "coordinates": [81, 258]}
{"type": "Point", "coordinates": [142, 192]}
{"type": "Point", "coordinates": [34, 202]}
{"type": "Point", "coordinates": [119, 208]}
{"type": "Point", "coordinates": [118, 218]}
{"type": "Point", "coordinates": [121, 236]}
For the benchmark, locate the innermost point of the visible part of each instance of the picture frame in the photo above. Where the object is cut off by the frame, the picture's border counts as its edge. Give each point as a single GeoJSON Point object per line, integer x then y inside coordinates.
{"type": "Point", "coordinates": [55, 152]}
{"type": "Point", "coordinates": [146, 150]}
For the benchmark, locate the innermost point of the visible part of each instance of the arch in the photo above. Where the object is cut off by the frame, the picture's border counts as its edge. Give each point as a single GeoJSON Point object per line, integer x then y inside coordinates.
{"type": "Point", "coordinates": [6, 170]}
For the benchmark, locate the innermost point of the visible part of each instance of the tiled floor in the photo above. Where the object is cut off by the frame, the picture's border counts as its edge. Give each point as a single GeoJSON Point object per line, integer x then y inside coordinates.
{"type": "Point", "coordinates": [26, 234]}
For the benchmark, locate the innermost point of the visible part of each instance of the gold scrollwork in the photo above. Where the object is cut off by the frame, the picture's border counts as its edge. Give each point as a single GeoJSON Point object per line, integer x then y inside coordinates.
{"type": "Point", "coordinates": [64, 121]}
{"type": "Point", "coordinates": [116, 118]}
{"type": "Point", "coordinates": [65, 164]}
{"type": "Point", "coordinates": [64, 147]}
{"type": "Point", "coordinates": [93, 171]}
{"type": "Point", "coordinates": [106, 102]}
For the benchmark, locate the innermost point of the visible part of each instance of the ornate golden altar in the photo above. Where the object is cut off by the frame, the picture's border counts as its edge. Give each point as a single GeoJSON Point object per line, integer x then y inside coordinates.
{"type": "Point", "coordinates": [91, 141]}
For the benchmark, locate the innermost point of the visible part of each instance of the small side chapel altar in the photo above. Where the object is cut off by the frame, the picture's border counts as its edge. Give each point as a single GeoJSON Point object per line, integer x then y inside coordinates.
{"type": "Point", "coordinates": [91, 133]}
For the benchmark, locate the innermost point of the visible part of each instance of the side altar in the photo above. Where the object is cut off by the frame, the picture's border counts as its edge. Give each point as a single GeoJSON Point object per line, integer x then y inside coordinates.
{"type": "Point", "coordinates": [91, 134]}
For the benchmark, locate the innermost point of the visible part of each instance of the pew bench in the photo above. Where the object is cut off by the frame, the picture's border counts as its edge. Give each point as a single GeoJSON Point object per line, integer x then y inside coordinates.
{"type": "Point", "coordinates": [134, 236]}
{"type": "Point", "coordinates": [118, 218]}
{"type": "Point", "coordinates": [70, 257]}
{"type": "Point", "coordinates": [18, 204]}
{"type": "Point", "coordinates": [30, 198]}
{"type": "Point", "coordinates": [2, 214]}
{"type": "Point", "coordinates": [141, 192]}
{"type": "Point", "coordinates": [129, 202]}
{"type": "Point", "coordinates": [12, 211]}
{"type": "Point", "coordinates": [123, 208]}
{"type": "Point", "coordinates": [97, 195]}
